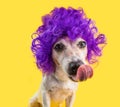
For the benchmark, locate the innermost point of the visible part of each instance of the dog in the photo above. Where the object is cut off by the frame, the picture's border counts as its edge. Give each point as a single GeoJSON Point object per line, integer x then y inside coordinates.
{"type": "Point", "coordinates": [65, 45]}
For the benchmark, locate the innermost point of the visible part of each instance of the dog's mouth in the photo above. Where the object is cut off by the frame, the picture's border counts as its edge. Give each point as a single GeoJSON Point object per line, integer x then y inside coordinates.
{"type": "Point", "coordinates": [83, 73]}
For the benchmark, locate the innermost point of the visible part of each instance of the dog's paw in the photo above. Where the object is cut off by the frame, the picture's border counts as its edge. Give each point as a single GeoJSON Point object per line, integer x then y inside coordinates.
{"type": "Point", "coordinates": [34, 103]}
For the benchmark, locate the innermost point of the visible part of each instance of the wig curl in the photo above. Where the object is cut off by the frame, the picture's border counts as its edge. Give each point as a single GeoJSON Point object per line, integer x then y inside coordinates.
{"type": "Point", "coordinates": [65, 22]}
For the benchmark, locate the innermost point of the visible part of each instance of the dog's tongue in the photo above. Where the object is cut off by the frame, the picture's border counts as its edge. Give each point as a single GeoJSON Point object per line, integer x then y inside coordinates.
{"type": "Point", "coordinates": [84, 72]}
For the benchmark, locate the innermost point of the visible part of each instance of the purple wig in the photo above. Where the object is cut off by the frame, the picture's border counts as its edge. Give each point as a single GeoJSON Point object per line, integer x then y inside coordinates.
{"type": "Point", "coordinates": [65, 22]}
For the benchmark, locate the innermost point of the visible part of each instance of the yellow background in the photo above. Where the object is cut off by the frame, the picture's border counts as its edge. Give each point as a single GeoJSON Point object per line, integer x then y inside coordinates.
{"type": "Point", "coordinates": [19, 76]}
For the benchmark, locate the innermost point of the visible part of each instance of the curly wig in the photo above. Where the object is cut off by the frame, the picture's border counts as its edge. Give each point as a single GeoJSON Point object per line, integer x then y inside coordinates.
{"type": "Point", "coordinates": [65, 22]}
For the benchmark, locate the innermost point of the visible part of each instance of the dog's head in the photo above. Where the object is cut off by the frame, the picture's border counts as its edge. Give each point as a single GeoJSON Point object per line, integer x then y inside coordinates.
{"type": "Point", "coordinates": [68, 56]}
{"type": "Point", "coordinates": [66, 42]}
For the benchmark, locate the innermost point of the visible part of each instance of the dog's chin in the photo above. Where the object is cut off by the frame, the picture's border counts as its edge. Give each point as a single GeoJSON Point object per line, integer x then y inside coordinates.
{"type": "Point", "coordinates": [83, 73]}
{"type": "Point", "coordinates": [73, 79]}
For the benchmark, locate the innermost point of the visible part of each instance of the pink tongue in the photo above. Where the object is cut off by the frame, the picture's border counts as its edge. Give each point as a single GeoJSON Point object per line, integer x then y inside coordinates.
{"type": "Point", "coordinates": [84, 72]}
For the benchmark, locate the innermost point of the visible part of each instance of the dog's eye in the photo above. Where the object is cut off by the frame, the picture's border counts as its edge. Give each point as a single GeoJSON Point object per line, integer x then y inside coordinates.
{"type": "Point", "coordinates": [81, 44]}
{"type": "Point", "coordinates": [59, 47]}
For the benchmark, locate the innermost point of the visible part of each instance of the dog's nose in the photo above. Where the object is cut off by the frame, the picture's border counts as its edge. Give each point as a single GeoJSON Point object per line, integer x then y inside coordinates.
{"type": "Point", "coordinates": [73, 66]}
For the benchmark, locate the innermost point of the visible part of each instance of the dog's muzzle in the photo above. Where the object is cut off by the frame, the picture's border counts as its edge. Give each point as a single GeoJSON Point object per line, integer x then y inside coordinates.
{"type": "Point", "coordinates": [78, 71]}
{"type": "Point", "coordinates": [73, 66]}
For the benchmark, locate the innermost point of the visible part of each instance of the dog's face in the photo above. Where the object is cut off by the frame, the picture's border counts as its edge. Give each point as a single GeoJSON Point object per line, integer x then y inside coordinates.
{"type": "Point", "coordinates": [69, 55]}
